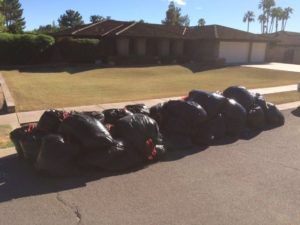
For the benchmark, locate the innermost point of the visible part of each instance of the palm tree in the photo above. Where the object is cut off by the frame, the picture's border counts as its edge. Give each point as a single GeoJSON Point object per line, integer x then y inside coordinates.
{"type": "Point", "coordinates": [248, 18]}
{"type": "Point", "coordinates": [285, 16]}
{"type": "Point", "coordinates": [201, 22]}
{"type": "Point", "coordinates": [276, 16]}
{"type": "Point", "coordinates": [266, 6]}
{"type": "Point", "coordinates": [262, 19]}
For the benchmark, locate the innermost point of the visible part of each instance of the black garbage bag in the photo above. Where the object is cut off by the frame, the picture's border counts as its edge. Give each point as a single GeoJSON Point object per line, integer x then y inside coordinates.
{"type": "Point", "coordinates": [138, 108]}
{"type": "Point", "coordinates": [211, 130]}
{"type": "Point", "coordinates": [15, 137]}
{"type": "Point", "coordinates": [182, 117]}
{"type": "Point", "coordinates": [85, 131]}
{"type": "Point", "coordinates": [273, 116]}
{"type": "Point", "coordinates": [235, 118]}
{"type": "Point", "coordinates": [241, 95]}
{"type": "Point", "coordinates": [213, 103]}
{"type": "Point", "coordinates": [156, 113]}
{"type": "Point", "coordinates": [118, 158]}
{"type": "Point", "coordinates": [27, 141]}
{"type": "Point", "coordinates": [113, 115]}
{"type": "Point", "coordinates": [50, 121]}
{"type": "Point", "coordinates": [57, 158]}
{"type": "Point", "coordinates": [260, 101]}
{"type": "Point", "coordinates": [139, 133]}
{"type": "Point", "coordinates": [175, 142]}
{"type": "Point", "coordinates": [256, 118]}
{"type": "Point", "coordinates": [95, 114]}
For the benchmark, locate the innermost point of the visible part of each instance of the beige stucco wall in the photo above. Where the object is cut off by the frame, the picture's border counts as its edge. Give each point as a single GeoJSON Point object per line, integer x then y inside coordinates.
{"type": "Point", "coordinates": [122, 46]}
{"type": "Point", "coordinates": [275, 54]}
{"type": "Point", "coordinates": [164, 47]}
{"type": "Point", "coordinates": [140, 46]}
{"type": "Point", "coordinates": [297, 56]}
{"type": "Point", "coordinates": [234, 52]}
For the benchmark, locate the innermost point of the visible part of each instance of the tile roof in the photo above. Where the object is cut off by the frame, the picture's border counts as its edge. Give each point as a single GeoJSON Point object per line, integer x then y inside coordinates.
{"type": "Point", "coordinates": [134, 29]}
{"type": "Point", "coordinates": [285, 38]}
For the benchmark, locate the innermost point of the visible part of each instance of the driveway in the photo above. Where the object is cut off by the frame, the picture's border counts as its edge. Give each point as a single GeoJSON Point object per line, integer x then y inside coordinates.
{"type": "Point", "coordinates": [251, 181]}
{"type": "Point", "coordinates": [277, 66]}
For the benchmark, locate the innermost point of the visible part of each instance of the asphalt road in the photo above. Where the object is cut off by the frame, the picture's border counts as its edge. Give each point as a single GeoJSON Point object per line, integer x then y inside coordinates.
{"type": "Point", "coordinates": [254, 181]}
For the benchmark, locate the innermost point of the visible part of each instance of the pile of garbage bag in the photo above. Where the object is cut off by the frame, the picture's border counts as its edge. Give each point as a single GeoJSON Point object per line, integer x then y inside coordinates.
{"type": "Point", "coordinates": [62, 143]}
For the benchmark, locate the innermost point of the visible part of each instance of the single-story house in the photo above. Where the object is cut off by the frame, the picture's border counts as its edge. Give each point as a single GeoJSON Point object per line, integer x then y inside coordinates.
{"type": "Point", "coordinates": [285, 47]}
{"type": "Point", "coordinates": [206, 43]}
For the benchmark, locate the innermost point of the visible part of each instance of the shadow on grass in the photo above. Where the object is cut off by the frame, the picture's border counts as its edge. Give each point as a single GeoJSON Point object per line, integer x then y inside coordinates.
{"type": "Point", "coordinates": [79, 68]}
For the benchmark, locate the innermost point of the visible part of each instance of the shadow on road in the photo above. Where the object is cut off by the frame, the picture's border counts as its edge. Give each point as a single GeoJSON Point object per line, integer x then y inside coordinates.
{"type": "Point", "coordinates": [19, 179]}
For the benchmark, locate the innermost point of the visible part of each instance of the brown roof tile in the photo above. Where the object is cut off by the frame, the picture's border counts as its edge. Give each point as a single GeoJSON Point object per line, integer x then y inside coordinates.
{"type": "Point", "coordinates": [133, 29]}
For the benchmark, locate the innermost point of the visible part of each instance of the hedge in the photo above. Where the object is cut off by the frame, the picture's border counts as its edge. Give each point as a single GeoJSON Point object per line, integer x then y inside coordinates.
{"type": "Point", "coordinates": [80, 50]}
{"type": "Point", "coordinates": [24, 48]}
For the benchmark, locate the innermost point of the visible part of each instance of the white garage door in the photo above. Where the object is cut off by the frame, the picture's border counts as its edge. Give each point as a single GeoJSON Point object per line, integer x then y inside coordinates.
{"type": "Point", "coordinates": [234, 52]}
{"type": "Point", "coordinates": [258, 52]}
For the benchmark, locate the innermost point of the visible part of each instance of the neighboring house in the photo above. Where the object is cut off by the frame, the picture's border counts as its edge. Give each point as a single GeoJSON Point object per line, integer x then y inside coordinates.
{"type": "Point", "coordinates": [208, 43]}
{"type": "Point", "coordinates": [285, 47]}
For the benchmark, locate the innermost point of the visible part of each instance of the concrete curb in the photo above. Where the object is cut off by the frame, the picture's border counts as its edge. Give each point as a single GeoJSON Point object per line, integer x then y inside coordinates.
{"type": "Point", "coordinates": [9, 100]}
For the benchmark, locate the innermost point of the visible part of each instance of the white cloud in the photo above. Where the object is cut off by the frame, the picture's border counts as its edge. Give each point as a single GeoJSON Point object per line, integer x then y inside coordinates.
{"type": "Point", "coordinates": [179, 2]}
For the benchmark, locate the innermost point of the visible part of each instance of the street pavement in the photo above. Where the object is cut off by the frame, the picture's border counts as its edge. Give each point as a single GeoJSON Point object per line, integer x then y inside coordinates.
{"type": "Point", "coordinates": [254, 180]}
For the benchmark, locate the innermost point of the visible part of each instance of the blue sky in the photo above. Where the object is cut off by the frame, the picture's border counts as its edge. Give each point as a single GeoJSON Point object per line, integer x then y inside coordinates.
{"type": "Point", "coordinates": [223, 12]}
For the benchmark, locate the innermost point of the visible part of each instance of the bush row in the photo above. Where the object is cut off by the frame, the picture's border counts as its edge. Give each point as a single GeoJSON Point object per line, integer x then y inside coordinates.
{"type": "Point", "coordinates": [23, 48]}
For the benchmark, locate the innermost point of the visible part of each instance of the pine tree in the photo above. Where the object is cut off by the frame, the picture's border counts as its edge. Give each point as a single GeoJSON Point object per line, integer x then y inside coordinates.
{"type": "Point", "coordinates": [173, 16]}
{"type": "Point", "coordinates": [13, 16]}
{"type": "Point", "coordinates": [70, 19]}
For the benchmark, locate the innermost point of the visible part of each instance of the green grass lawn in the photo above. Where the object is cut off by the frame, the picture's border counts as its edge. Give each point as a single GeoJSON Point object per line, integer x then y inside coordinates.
{"type": "Point", "coordinates": [4, 136]}
{"type": "Point", "coordinates": [42, 88]}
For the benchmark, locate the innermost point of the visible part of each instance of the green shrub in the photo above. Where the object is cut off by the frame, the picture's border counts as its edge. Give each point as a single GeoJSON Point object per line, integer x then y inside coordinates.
{"type": "Point", "coordinates": [23, 48]}
{"type": "Point", "coordinates": [80, 50]}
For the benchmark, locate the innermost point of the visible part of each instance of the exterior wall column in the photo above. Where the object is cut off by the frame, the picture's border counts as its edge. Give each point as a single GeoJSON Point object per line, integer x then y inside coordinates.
{"type": "Point", "coordinates": [178, 48]}
{"type": "Point", "coordinates": [122, 46]}
{"type": "Point", "coordinates": [140, 46]}
{"type": "Point", "coordinates": [164, 47]}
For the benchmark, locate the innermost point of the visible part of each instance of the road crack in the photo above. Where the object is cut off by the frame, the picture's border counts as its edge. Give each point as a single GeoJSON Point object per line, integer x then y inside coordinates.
{"type": "Point", "coordinates": [75, 210]}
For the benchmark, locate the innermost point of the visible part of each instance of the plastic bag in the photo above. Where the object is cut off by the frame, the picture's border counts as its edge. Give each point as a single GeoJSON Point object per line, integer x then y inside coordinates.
{"type": "Point", "coordinates": [50, 121]}
{"type": "Point", "coordinates": [85, 131]}
{"type": "Point", "coordinates": [241, 95]}
{"type": "Point", "coordinates": [211, 130]}
{"type": "Point", "coordinates": [56, 157]}
{"type": "Point", "coordinates": [113, 115]}
{"type": "Point", "coordinates": [156, 113]}
{"type": "Point", "coordinates": [235, 118]}
{"type": "Point", "coordinates": [273, 116]}
{"type": "Point", "coordinates": [140, 133]}
{"type": "Point", "coordinates": [256, 118]}
{"type": "Point", "coordinates": [138, 108]}
{"type": "Point", "coordinates": [213, 103]}
{"type": "Point", "coordinates": [181, 117]}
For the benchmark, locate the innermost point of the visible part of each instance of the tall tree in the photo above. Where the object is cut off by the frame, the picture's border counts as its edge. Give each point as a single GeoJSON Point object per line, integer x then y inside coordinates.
{"type": "Point", "coordinates": [1, 17]}
{"type": "Point", "coordinates": [276, 16]}
{"type": "Point", "coordinates": [201, 22]}
{"type": "Point", "coordinates": [266, 6]}
{"type": "Point", "coordinates": [47, 29]}
{"type": "Point", "coordinates": [173, 16]}
{"type": "Point", "coordinates": [96, 18]}
{"type": "Point", "coordinates": [249, 17]}
{"type": "Point", "coordinates": [262, 19]}
{"type": "Point", "coordinates": [70, 19]}
{"type": "Point", "coordinates": [285, 16]}
{"type": "Point", "coordinates": [13, 16]}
